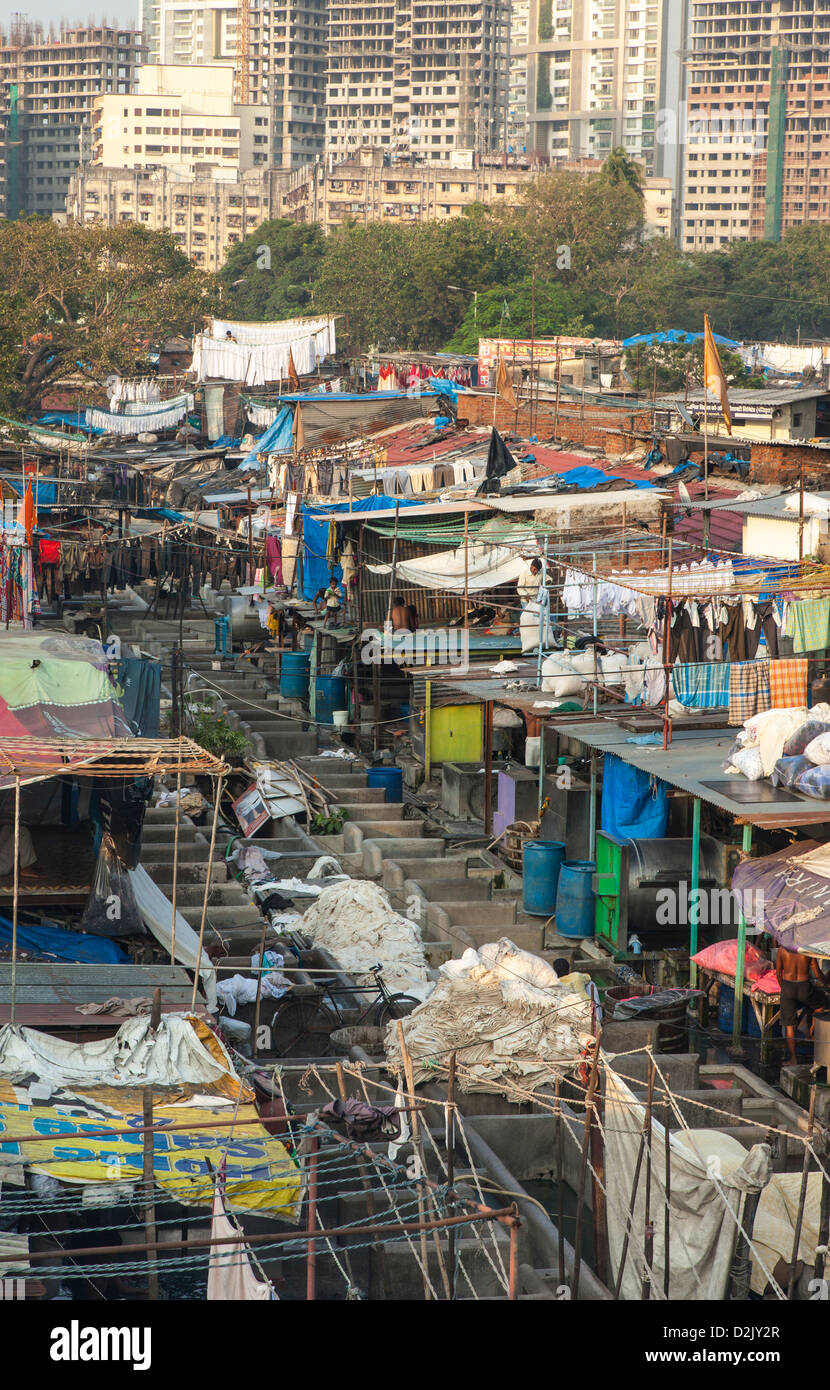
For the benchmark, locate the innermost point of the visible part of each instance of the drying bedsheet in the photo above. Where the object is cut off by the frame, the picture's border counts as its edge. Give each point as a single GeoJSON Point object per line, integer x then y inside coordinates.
{"type": "Point", "coordinates": [506, 1014]}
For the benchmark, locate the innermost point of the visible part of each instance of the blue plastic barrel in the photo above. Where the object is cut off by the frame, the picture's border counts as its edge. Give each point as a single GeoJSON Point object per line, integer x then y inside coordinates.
{"type": "Point", "coordinates": [294, 675]}
{"type": "Point", "coordinates": [541, 862]}
{"type": "Point", "coordinates": [575, 898]}
{"type": "Point", "coordinates": [726, 1009]}
{"type": "Point", "coordinates": [330, 695]}
{"type": "Point", "coordinates": [390, 778]}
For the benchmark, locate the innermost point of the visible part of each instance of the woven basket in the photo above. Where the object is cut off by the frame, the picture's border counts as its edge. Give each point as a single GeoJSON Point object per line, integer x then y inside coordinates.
{"type": "Point", "coordinates": [513, 841]}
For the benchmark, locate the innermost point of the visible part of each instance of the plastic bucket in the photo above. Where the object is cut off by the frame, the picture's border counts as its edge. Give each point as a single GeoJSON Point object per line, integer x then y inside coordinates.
{"type": "Point", "coordinates": [340, 718]}
{"type": "Point", "coordinates": [541, 862]}
{"type": "Point", "coordinates": [294, 675]}
{"type": "Point", "coordinates": [575, 898]}
{"type": "Point", "coordinates": [390, 778]}
{"type": "Point", "coordinates": [330, 695]}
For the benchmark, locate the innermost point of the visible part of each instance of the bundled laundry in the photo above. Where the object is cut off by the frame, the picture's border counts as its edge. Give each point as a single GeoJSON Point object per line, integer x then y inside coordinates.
{"type": "Point", "coordinates": [790, 746]}
{"type": "Point", "coordinates": [507, 1015]}
{"type": "Point", "coordinates": [356, 923]}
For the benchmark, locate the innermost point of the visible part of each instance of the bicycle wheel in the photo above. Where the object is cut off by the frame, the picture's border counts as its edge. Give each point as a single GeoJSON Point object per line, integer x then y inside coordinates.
{"type": "Point", "coordinates": [301, 1029]}
{"type": "Point", "coordinates": [396, 1006]}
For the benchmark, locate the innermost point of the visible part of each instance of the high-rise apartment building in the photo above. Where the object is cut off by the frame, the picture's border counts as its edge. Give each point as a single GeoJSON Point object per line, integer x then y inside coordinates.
{"type": "Point", "coordinates": [180, 117]}
{"type": "Point", "coordinates": [517, 126]}
{"type": "Point", "coordinates": [422, 79]}
{"type": "Point", "coordinates": [49, 82]}
{"type": "Point", "coordinates": [599, 75]}
{"type": "Point", "coordinates": [757, 120]}
{"type": "Point", "coordinates": [277, 48]}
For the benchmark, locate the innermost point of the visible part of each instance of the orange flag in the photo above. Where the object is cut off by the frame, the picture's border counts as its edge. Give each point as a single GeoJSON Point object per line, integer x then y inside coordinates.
{"type": "Point", "coordinates": [29, 513]}
{"type": "Point", "coordinates": [714, 380]}
{"type": "Point", "coordinates": [292, 372]}
{"type": "Point", "coordinates": [504, 386]}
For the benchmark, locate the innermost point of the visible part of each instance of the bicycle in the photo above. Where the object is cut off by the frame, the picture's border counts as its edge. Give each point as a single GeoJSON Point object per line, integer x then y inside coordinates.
{"type": "Point", "coordinates": [303, 1025]}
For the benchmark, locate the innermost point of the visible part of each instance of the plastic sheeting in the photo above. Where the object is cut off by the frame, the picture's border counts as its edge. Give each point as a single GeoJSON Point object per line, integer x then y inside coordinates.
{"type": "Point", "coordinates": [276, 439]}
{"type": "Point", "coordinates": [507, 1015]}
{"type": "Point", "coordinates": [316, 567]}
{"type": "Point", "coordinates": [710, 1174]}
{"type": "Point", "coordinates": [58, 944]}
{"type": "Point", "coordinates": [773, 1230]}
{"type": "Point", "coordinates": [136, 1056]}
{"type": "Point", "coordinates": [489, 563]}
{"type": "Point", "coordinates": [157, 912]}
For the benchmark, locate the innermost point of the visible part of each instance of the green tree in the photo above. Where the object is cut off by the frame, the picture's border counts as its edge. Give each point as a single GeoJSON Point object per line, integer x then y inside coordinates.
{"type": "Point", "coordinates": [510, 311]}
{"type": "Point", "coordinates": [93, 299]}
{"type": "Point", "coordinates": [680, 363]}
{"type": "Point", "coordinates": [619, 168]}
{"type": "Point", "coordinates": [272, 272]}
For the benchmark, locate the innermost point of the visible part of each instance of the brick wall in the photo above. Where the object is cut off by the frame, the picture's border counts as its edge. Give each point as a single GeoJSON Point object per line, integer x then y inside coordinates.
{"type": "Point", "coordinates": [604, 427]}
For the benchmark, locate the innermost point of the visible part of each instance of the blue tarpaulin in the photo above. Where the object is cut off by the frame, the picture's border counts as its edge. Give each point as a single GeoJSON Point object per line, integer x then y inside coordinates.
{"type": "Point", "coordinates": [591, 477]}
{"type": "Point", "coordinates": [45, 494]}
{"type": "Point", "coordinates": [634, 805]}
{"type": "Point", "coordinates": [62, 944]}
{"type": "Point", "coordinates": [316, 568]}
{"type": "Point", "coordinates": [674, 335]}
{"type": "Point", "coordinates": [141, 682]}
{"type": "Point", "coordinates": [275, 440]}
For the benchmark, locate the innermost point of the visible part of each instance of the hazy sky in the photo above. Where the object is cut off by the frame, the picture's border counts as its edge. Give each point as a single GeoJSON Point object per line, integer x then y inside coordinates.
{"type": "Point", "coordinates": [119, 11]}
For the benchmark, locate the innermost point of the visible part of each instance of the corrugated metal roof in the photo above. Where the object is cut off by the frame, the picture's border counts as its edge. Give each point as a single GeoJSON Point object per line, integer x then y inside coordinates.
{"type": "Point", "coordinates": [772, 395]}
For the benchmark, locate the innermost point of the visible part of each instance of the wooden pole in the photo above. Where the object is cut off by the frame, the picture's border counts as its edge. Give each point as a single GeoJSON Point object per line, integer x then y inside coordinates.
{"type": "Point", "coordinates": [648, 1229]}
{"type": "Point", "coordinates": [631, 1204]}
{"type": "Point", "coordinates": [220, 784]}
{"type": "Point", "coordinates": [466, 570]}
{"type": "Point", "coordinates": [586, 1140]}
{"type": "Point", "coordinates": [449, 1139]}
{"type": "Point", "coordinates": [667, 1216]}
{"type": "Point", "coordinates": [560, 1178]}
{"type": "Point", "coordinates": [15, 896]}
{"type": "Point", "coordinates": [416, 1144]}
{"type": "Point", "coordinates": [311, 1222]}
{"type": "Point", "coordinates": [488, 767]}
{"type": "Point", "coordinates": [175, 866]}
{"type": "Point", "coordinates": [260, 974]}
{"type": "Point", "coordinates": [667, 655]}
{"type": "Point", "coordinates": [147, 1166]}
{"type": "Point", "coordinates": [802, 1196]}
{"type": "Point", "coordinates": [824, 1214]}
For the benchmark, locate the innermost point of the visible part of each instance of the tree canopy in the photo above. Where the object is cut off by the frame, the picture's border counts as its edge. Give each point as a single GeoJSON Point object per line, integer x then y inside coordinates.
{"type": "Point", "coordinates": [90, 299]}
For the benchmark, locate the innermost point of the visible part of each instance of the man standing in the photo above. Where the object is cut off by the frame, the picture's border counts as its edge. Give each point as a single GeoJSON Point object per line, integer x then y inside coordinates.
{"type": "Point", "coordinates": [799, 978]}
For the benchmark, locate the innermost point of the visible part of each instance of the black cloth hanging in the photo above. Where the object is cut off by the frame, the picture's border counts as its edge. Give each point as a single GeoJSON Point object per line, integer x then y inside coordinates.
{"type": "Point", "coordinates": [499, 461]}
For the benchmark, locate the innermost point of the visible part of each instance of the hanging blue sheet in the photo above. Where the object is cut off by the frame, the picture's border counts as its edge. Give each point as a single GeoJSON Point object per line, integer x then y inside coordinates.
{"type": "Point", "coordinates": [316, 568]}
{"type": "Point", "coordinates": [634, 805]}
{"type": "Point", "coordinates": [276, 439]}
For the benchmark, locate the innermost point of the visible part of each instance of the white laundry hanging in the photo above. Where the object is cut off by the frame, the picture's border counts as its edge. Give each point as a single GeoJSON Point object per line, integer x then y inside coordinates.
{"type": "Point", "coordinates": [142, 417]}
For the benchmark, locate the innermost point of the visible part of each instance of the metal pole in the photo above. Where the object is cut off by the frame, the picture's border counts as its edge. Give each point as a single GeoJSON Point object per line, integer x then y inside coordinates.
{"type": "Point", "coordinates": [488, 767]}
{"type": "Point", "coordinates": [592, 810]}
{"type": "Point", "coordinates": [746, 845]}
{"type": "Point", "coordinates": [15, 894]}
{"type": "Point", "coordinates": [560, 1178]}
{"type": "Point", "coordinates": [220, 783]}
{"type": "Point", "coordinates": [427, 730]}
{"type": "Point", "coordinates": [260, 974]}
{"type": "Point", "coordinates": [694, 914]}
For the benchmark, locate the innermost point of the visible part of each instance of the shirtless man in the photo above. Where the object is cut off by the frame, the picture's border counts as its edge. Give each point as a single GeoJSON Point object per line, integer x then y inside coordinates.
{"type": "Point", "coordinates": [797, 976]}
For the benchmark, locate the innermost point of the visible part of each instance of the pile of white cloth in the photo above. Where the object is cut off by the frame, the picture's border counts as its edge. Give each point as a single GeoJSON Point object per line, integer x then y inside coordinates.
{"type": "Point", "coordinates": [506, 1014]}
{"type": "Point", "coordinates": [355, 921]}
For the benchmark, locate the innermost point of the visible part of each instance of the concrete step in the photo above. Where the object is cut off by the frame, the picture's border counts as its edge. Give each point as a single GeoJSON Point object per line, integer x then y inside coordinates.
{"type": "Point", "coordinates": [465, 914]}
{"type": "Point", "coordinates": [377, 850]}
{"type": "Point", "coordinates": [375, 811]}
{"type": "Point", "coordinates": [398, 829]}
{"type": "Point", "coordinates": [283, 747]}
{"type": "Point", "coordinates": [440, 890]}
{"type": "Point", "coordinates": [357, 796]}
{"type": "Point", "coordinates": [224, 917]}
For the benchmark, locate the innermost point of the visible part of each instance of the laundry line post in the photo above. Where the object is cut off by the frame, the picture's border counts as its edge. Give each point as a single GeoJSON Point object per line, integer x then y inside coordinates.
{"type": "Point", "coordinates": [466, 570]}
{"type": "Point", "coordinates": [174, 890]}
{"type": "Point", "coordinates": [15, 894]}
{"type": "Point", "coordinates": [694, 913]}
{"type": "Point", "coordinates": [220, 786]}
{"type": "Point", "coordinates": [736, 1049]}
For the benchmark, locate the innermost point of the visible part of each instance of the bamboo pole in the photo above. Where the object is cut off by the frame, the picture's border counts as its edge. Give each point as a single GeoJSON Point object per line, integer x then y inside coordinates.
{"type": "Point", "coordinates": [311, 1224]}
{"type": "Point", "coordinates": [586, 1139]}
{"type": "Point", "coordinates": [667, 1213]}
{"type": "Point", "coordinates": [175, 869]}
{"type": "Point", "coordinates": [15, 896]}
{"type": "Point", "coordinates": [648, 1229]}
{"type": "Point", "coordinates": [449, 1139]}
{"type": "Point", "coordinates": [220, 783]}
{"type": "Point", "coordinates": [560, 1178]}
{"type": "Point", "coordinates": [802, 1196]}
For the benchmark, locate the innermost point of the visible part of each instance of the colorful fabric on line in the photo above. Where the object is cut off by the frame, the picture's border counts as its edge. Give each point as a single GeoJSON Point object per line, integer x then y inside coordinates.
{"type": "Point", "coordinates": [788, 684]}
{"type": "Point", "coordinates": [701, 685]}
{"type": "Point", "coordinates": [808, 623]}
{"type": "Point", "coordinates": [748, 690]}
